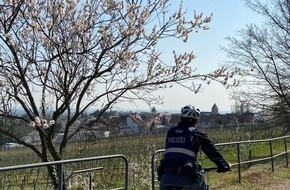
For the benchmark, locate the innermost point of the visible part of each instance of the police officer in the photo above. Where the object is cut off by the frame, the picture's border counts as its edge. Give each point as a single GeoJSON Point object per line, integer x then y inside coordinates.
{"type": "Point", "coordinates": [178, 167]}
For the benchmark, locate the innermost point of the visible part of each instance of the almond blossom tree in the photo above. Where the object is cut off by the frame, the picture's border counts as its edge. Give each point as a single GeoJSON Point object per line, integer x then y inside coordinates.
{"type": "Point", "coordinates": [61, 57]}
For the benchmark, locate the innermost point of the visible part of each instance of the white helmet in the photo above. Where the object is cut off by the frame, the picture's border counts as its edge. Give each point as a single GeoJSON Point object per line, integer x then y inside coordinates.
{"type": "Point", "coordinates": [190, 112]}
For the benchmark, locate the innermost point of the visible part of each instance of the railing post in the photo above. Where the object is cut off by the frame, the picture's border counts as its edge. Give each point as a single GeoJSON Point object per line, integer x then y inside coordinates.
{"type": "Point", "coordinates": [126, 173]}
{"type": "Point", "coordinates": [153, 166]}
{"type": "Point", "coordinates": [250, 157]}
{"type": "Point", "coordinates": [60, 176]}
{"type": "Point", "coordinates": [239, 161]}
{"type": "Point", "coordinates": [286, 151]}
{"type": "Point", "coordinates": [271, 153]}
{"type": "Point", "coordinates": [152, 170]}
{"type": "Point", "coordinates": [90, 181]}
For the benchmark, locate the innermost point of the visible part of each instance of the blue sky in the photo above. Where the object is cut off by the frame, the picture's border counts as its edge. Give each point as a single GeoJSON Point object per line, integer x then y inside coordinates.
{"type": "Point", "coordinates": [229, 16]}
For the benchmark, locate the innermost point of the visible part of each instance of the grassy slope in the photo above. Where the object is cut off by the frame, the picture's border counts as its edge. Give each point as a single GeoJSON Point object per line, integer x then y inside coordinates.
{"type": "Point", "coordinates": [139, 149]}
{"type": "Point", "coordinates": [258, 177]}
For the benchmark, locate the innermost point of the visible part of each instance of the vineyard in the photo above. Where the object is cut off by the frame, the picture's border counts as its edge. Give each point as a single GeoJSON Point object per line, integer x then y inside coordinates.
{"type": "Point", "coordinates": [109, 173]}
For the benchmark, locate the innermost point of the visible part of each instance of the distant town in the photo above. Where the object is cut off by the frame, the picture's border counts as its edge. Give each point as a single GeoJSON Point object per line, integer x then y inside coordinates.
{"type": "Point", "coordinates": [116, 123]}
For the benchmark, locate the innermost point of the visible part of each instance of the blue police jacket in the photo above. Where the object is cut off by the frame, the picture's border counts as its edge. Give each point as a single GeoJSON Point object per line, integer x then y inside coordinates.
{"type": "Point", "coordinates": [183, 143]}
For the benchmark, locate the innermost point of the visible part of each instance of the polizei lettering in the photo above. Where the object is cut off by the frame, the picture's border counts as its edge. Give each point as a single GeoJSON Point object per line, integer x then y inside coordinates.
{"type": "Point", "coordinates": [176, 140]}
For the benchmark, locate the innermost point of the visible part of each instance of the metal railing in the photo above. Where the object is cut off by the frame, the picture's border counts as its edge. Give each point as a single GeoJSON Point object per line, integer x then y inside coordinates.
{"type": "Point", "coordinates": [239, 163]}
{"type": "Point", "coordinates": [60, 164]}
{"type": "Point", "coordinates": [90, 170]}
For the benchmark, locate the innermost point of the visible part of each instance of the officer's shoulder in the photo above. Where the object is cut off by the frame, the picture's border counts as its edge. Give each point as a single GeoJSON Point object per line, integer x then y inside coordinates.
{"type": "Point", "coordinates": [191, 129]}
{"type": "Point", "coordinates": [198, 131]}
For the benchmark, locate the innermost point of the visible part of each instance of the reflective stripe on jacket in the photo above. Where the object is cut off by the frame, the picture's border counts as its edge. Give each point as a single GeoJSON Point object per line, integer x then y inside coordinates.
{"type": "Point", "coordinates": [183, 142]}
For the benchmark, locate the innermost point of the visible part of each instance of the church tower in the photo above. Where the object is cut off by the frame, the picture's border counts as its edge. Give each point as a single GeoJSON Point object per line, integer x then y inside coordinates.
{"type": "Point", "coordinates": [214, 109]}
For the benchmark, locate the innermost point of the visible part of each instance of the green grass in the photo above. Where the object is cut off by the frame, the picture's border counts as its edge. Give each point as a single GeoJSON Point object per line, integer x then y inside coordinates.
{"type": "Point", "coordinates": [138, 151]}
{"type": "Point", "coordinates": [257, 177]}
